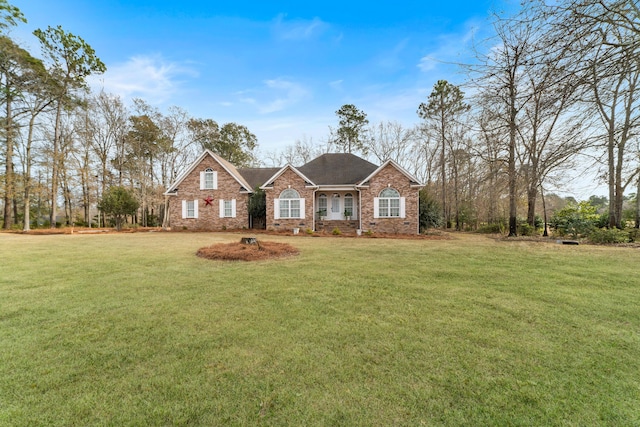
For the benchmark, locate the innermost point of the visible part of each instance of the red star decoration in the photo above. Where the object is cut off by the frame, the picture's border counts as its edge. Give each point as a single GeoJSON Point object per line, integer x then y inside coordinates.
{"type": "Point", "coordinates": [208, 201]}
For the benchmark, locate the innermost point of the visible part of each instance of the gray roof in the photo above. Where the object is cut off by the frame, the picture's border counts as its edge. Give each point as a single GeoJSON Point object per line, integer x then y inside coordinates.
{"type": "Point", "coordinates": [337, 169]}
{"type": "Point", "coordinates": [257, 176]}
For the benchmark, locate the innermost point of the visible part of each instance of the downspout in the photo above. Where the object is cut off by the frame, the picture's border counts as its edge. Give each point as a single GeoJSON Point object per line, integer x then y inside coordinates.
{"type": "Point", "coordinates": [313, 212]}
{"type": "Point", "coordinates": [359, 208]}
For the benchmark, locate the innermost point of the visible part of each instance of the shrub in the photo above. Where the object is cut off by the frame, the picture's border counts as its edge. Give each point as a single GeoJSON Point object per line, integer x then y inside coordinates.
{"type": "Point", "coordinates": [336, 231]}
{"type": "Point", "coordinates": [609, 235]}
{"type": "Point", "coordinates": [495, 228]}
{"type": "Point", "coordinates": [524, 229]}
{"type": "Point", "coordinates": [634, 235]}
{"type": "Point", "coordinates": [119, 202]}
{"type": "Point", "coordinates": [575, 219]}
{"type": "Point", "coordinates": [430, 211]}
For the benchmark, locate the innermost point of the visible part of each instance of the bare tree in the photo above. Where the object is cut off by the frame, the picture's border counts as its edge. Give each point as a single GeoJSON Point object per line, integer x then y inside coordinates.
{"type": "Point", "coordinates": [605, 39]}
{"type": "Point", "coordinates": [391, 140]}
{"type": "Point", "coordinates": [500, 85]}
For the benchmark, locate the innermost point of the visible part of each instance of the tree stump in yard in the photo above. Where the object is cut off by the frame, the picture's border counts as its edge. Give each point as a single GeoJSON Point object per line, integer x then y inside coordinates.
{"type": "Point", "coordinates": [249, 241]}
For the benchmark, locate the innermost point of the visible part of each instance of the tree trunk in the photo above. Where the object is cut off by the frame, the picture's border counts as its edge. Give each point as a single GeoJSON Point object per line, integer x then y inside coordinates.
{"type": "Point", "coordinates": [532, 195]}
{"type": "Point", "coordinates": [637, 224]}
{"type": "Point", "coordinates": [513, 230]}
{"type": "Point", "coordinates": [9, 175]}
{"type": "Point", "coordinates": [54, 167]}
{"type": "Point", "coordinates": [545, 233]}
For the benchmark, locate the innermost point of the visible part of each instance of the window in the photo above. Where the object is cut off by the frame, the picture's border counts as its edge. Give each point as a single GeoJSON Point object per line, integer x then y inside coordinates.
{"type": "Point", "coordinates": [189, 209]}
{"type": "Point", "coordinates": [348, 205]}
{"type": "Point", "coordinates": [389, 204]}
{"type": "Point", "coordinates": [208, 179]}
{"type": "Point", "coordinates": [227, 208]}
{"type": "Point", "coordinates": [289, 205]}
{"type": "Point", "coordinates": [322, 205]}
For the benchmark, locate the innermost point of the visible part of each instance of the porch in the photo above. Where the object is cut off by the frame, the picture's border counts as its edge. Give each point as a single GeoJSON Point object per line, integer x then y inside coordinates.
{"type": "Point", "coordinates": [345, 226]}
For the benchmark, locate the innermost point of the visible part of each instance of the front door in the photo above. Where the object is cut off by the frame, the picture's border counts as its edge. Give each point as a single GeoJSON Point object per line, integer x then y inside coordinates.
{"type": "Point", "coordinates": [336, 211]}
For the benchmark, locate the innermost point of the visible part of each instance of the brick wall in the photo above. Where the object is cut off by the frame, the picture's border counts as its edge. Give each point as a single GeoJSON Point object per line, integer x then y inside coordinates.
{"type": "Point", "coordinates": [289, 179]}
{"type": "Point", "coordinates": [393, 177]}
{"type": "Point", "coordinates": [208, 216]}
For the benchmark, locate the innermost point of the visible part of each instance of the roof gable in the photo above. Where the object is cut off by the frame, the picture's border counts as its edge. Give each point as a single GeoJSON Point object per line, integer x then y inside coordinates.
{"type": "Point", "coordinates": [244, 185]}
{"type": "Point", "coordinates": [412, 180]}
{"type": "Point", "coordinates": [282, 170]}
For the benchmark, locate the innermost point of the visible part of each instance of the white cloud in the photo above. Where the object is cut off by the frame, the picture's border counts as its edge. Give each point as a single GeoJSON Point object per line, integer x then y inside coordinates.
{"type": "Point", "coordinates": [452, 48]}
{"type": "Point", "coordinates": [149, 77]}
{"type": "Point", "coordinates": [298, 29]}
{"type": "Point", "coordinates": [276, 95]}
{"type": "Point", "coordinates": [336, 84]}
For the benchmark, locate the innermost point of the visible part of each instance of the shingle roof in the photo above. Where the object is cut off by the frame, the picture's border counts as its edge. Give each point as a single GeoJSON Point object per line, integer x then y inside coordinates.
{"type": "Point", "coordinates": [337, 169]}
{"type": "Point", "coordinates": [257, 176]}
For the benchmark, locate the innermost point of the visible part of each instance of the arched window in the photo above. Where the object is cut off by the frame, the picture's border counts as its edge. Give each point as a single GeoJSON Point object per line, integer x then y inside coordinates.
{"type": "Point", "coordinates": [289, 204]}
{"type": "Point", "coordinates": [289, 193]}
{"type": "Point", "coordinates": [389, 203]}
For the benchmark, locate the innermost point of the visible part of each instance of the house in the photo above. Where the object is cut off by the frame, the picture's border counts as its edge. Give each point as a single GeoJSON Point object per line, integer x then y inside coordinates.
{"type": "Point", "coordinates": [335, 190]}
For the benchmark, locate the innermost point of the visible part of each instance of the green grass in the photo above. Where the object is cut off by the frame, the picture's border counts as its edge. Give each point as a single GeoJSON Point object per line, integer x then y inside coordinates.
{"type": "Point", "coordinates": [133, 329]}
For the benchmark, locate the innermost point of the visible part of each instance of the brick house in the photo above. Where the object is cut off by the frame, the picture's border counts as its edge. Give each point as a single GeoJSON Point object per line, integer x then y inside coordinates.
{"type": "Point", "coordinates": [332, 191]}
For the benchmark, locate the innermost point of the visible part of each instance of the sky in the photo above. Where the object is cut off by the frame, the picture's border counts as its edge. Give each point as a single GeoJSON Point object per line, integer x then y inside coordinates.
{"type": "Point", "coordinates": [280, 68]}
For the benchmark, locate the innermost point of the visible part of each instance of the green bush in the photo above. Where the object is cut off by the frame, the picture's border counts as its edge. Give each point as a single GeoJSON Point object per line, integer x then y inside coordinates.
{"type": "Point", "coordinates": [494, 228]}
{"type": "Point", "coordinates": [336, 231]}
{"type": "Point", "coordinates": [430, 211]}
{"type": "Point", "coordinates": [524, 229]}
{"type": "Point", "coordinates": [575, 219]}
{"type": "Point", "coordinates": [609, 235]}
{"type": "Point", "coordinates": [634, 235]}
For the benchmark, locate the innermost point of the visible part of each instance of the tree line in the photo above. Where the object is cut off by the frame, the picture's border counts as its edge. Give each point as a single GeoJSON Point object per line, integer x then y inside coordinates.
{"type": "Point", "coordinates": [556, 86]}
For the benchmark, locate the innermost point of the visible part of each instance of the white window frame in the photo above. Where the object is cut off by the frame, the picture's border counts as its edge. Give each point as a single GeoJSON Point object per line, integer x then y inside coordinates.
{"type": "Point", "coordinates": [208, 179]}
{"type": "Point", "coordinates": [187, 213]}
{"type": "Point", "coordinates": [322, 204]}
{"type": "Point", "coordinates": [287, 206]}
{"type": "Point", "coordinates": [388, 205]}
{"type": "Point", "coordinates": [227, 208]}
{"type": "Point", "coordinates": [348, 199]}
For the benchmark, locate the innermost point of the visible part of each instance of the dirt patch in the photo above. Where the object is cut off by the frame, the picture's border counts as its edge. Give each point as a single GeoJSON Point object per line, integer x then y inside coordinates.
{"type": "Point", "coordinates": [243, 252]}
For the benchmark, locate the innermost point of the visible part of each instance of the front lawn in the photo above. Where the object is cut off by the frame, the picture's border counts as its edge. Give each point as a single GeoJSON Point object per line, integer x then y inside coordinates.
{"type": "Point", "coordinates": [134, 329]}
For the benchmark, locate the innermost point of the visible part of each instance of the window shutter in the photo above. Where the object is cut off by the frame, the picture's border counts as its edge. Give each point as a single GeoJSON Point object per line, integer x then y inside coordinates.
{"type": "Point", "coordinates": [276, 208]}
{"type": "Point", "coordinates": [233, 208]}
{"type": "Point", "coordinates": [403, 210]}
{"type": "Point", "coordinates": [184, 209]}
{"type": "Point", "coordinates": [195, 208]}
{"type": "Point", "coordinates": [221, 206]}
{"type": "Point", "coordinates": [376, 207]}
{"type": "Point", "coordinates": [215, 180]}
{"type": "Point", "coordinates": [202, 180]}
{"type": "Point", "coordinates": [302, 212]}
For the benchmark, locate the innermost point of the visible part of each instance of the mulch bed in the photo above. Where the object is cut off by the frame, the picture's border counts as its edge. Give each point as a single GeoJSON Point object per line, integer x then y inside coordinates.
{"type": "Point", "coordinates": [243, 252]}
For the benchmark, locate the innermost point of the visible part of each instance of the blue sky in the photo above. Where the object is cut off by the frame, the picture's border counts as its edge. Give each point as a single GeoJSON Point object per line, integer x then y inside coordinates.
{"type": "Point", "coordinates": [280, 68]}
